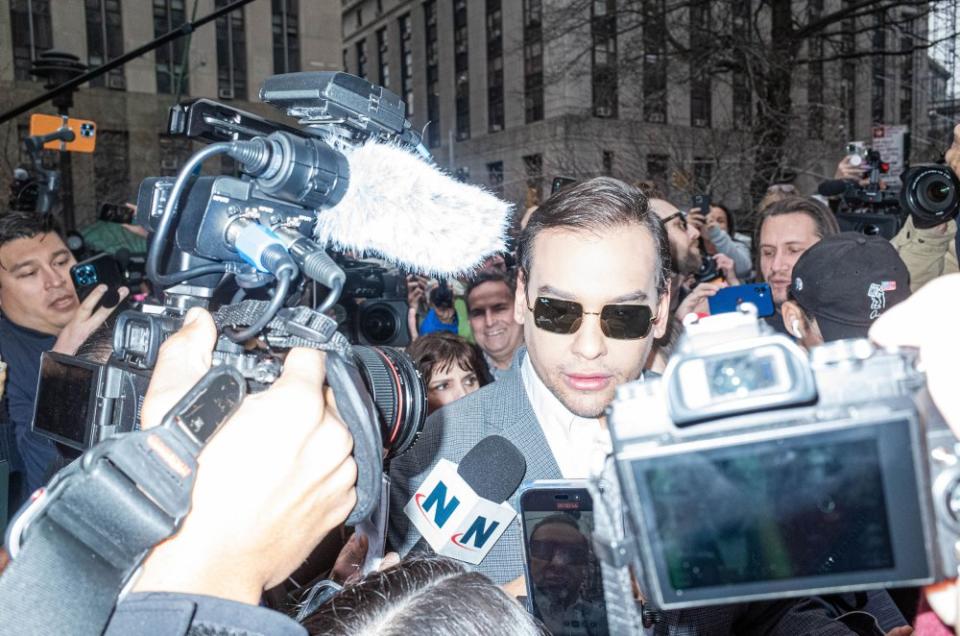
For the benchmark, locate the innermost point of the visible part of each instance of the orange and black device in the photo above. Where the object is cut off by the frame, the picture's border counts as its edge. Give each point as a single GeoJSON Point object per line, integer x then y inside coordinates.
{"type": "Point", "coordinates": [84, 132]}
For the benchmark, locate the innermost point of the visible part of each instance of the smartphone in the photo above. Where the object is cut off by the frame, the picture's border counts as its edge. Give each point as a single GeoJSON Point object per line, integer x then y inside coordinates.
{"type": "Point", "coordinates": [564, 581]}
{"type": "Point", "coordinates": [728, 299]}
{"type": "Point", "coordinates": [84, 132]}
{"type": "Point", "coordinates": [559, 183]}
{"type": "Point", "coordinates": [101, 269]}
{"type": "Point", "coordinates": [701, 201]}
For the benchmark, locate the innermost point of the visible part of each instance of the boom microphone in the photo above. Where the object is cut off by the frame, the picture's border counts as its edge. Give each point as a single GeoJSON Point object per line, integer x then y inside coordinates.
{"type": "Point", "coordinates": [459, 510]}
{"type": "Point", "coordinates": [401, 208]}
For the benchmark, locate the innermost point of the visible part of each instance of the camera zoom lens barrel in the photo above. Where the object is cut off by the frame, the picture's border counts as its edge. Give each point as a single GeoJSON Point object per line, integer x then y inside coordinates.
{"type": "Point", "coordinates": [398, 393]}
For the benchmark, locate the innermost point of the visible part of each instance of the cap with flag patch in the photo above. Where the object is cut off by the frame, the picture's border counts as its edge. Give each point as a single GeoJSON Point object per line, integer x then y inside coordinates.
{"type": "Point", "coordinates": [846, 281]}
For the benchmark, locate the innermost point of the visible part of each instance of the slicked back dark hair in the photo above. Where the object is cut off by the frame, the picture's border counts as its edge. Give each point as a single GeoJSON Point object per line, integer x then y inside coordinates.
{"type": "Point", "coordinates": [17, 225]}
{"type": "Point", "coordinates": [598, 204]}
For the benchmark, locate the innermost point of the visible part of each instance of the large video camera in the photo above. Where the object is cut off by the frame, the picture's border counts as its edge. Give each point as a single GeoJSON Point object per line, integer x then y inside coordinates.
{"type": "Point", "coordinates": [243, 248]}
{"type": "Point", "coordinates": [869, 208]}
{"type": "Point", "coordinates": [752, 472]}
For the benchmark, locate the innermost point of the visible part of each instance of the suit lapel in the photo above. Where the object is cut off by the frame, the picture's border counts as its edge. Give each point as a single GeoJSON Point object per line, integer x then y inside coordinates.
{"type": "Point", "coordinates": [519, 425]}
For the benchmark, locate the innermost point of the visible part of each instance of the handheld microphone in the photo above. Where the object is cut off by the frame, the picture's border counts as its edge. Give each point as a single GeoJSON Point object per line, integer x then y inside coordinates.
{"type": "Point", "coordinates": [402, 208]}
{"type": "Point", "coordinates": [461, 510]}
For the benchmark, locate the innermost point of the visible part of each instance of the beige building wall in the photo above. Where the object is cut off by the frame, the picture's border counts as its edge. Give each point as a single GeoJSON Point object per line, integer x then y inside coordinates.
{"type": "Point", "coordinates": [139, 111]}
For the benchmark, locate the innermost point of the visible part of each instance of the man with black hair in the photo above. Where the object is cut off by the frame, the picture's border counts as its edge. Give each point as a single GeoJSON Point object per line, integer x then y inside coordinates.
{"type": "Point", "coordinates": [592, 295]}
{"type": "Point", "coordinates": [490, 309]}
{"type": "Point", "coordinates": [39, 311]}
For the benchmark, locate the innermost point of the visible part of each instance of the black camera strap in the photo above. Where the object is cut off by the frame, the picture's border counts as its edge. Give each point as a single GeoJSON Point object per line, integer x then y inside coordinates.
{"type": "Point", "coordinates": [79, 540]}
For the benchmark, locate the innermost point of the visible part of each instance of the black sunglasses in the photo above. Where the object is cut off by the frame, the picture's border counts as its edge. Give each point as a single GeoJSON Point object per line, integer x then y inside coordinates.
{"type": "Point", "coordinates": [620, 322]}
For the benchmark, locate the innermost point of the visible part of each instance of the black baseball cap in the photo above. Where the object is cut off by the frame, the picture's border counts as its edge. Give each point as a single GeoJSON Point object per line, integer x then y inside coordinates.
{"type": "Point", "coordinates": [846, 281]}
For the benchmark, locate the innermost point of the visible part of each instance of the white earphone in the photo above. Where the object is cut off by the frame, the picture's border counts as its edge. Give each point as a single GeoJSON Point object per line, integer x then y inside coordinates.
{"type": "Point", "coordinates": [795, 325]}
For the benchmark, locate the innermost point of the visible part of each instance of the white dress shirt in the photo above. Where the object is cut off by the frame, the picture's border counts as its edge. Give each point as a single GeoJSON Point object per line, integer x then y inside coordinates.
{"type": "Point", "coordinates": [576, 442]}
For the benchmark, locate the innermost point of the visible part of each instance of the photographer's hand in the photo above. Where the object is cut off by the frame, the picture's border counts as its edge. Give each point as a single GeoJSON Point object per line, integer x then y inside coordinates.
{"type": "Point", "coordinates": [696, 300]}
{"type": "Point", "coordinates": [271, 483]}
{"type": "Point", "coordinates": [726, 266]}
{"type": "Point", "coordinates": [85, 321]}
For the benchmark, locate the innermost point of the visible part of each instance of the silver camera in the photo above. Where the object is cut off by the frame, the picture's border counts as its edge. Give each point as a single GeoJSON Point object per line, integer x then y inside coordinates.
{"type": "Point", "coordinates": [749, 471]}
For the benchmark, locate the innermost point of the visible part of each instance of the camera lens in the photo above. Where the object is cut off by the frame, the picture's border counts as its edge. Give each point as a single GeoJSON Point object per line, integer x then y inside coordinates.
{"type": "Point", "coordinates": [398, 393]}
{"type": "Point", "coordinates": [931, 193]}
{"type": "Point", "coordinates": [379, 324]}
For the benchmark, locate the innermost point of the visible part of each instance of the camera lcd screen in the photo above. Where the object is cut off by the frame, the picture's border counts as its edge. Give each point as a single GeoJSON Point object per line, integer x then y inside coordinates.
{"type": "Point", "coordinates": [810, 508]}
{"type": "Point", "coordinates": [63, 400]}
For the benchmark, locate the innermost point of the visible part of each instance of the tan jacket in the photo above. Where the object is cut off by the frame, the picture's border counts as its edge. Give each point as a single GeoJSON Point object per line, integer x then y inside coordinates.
{"type": "Point", "coordinates": [927, 253]}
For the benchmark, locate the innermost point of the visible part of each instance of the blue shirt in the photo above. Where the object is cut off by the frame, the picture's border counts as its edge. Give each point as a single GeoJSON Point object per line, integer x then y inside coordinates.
{"type": "Point", "coordinates": [433, 323]}
{"type": "Point", "coordinates": [21, 349]}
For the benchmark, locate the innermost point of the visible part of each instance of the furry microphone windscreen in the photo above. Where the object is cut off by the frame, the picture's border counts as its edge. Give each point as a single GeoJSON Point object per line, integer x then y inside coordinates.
{"type": "Point", "coordinates": [401, 208]}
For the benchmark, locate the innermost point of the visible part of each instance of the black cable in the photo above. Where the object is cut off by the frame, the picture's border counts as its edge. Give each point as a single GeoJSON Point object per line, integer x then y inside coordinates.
{"type": "Point", "coordinates": [284, 279]}
{"type": "Point", "coordinates": [169, 216]}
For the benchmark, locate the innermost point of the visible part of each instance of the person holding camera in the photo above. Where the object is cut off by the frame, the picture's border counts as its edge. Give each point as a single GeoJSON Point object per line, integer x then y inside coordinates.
{"type": "Point", "coordinates": [927, 247]}
{"type": "Point", "coordinates": [248, 528]}
{"type": "Point", "coordinates": [39, 311]}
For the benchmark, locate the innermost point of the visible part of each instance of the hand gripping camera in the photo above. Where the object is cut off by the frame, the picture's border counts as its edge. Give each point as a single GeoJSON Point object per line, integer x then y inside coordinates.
{"type": "Point", "coordinates": [749, 471]}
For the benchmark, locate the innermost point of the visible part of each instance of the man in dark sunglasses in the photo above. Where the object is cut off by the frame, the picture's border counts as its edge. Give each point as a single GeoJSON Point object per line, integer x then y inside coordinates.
{"type": "Point", "coordinates": [592, 295]}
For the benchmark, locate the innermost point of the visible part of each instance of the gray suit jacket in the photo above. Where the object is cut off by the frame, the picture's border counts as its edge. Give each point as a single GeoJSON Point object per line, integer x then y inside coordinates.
{"type": "Point", "coordinates": [502, 408]}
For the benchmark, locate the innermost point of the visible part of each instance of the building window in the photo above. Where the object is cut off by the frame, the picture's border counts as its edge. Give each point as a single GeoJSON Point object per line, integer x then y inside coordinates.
{"type": "Point", "coordinates": [32, 33]}
{"type": "Point", "coordinates": [608, 162]}
{"type": "Point", "coordinates": [906, 72]}
{"type": "Point", "coordinates": [655, 61]}
{"type": "Point", "coordinates": [174, 152]}
{"type": "Point", "coordinates": [286, 36]}
{"type": "Point", "coordinates": [495, 177]}
{"type": "Point", "coordinates": [105, 40]}
{"type": "Point", "coordinates": [702, 174]}
{"type": "Point", "coordinates": [433, 73]}
{"type": "Point", "coordinates": [603, 26]}
{"type": "Point", "coordinates": [461, 68]}
{"type": "Point", "coordinates": [231, 54]}
{"type": "Point", "coordinates": [742, 15]}
{"type": "Point", "coordinates": [346, 65]}
{"type": "Point", "coordinates": [173, 72]}
{"type": "Point", "coordinates": [362, 58]}
{"type": "Point", "coordinates": [848, 71]}
{"type": "Point", "coordinates": [406, 62]}
{"type": "Point", "coordinates": [533, 167]}
{"type": "Point", "coordinates": [533, 60]}
{"type": "Point", "coordinates": [701, 105]}
{"type": "Point", "coordinates": [383, 60]}
{"type": "Point", "coordinates": [878, 95]}
{"type": "Point", "coordinates": [111, 167]}
{"type": "Point", "coordinates": [495, 119]}
{"type": "Point", "coordinates": [815, 105]}
{"type": "Point", "coordinates": [658, 167]}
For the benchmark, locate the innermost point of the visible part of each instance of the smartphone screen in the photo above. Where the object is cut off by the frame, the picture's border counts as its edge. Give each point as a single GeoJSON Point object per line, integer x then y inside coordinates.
{"type": "Point", "coordinates": [564, 581]}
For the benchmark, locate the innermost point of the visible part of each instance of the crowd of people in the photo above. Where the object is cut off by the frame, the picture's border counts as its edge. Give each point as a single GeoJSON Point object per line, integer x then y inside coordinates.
{"type": "Point", "coordinates": [531, 347]}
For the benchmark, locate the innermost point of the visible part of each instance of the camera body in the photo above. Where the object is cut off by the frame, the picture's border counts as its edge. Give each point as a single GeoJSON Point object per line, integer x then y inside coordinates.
{"type": "Point", "coordinates": [213, 236]}
{"type": "Point", "coordinates": [751, 472]}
